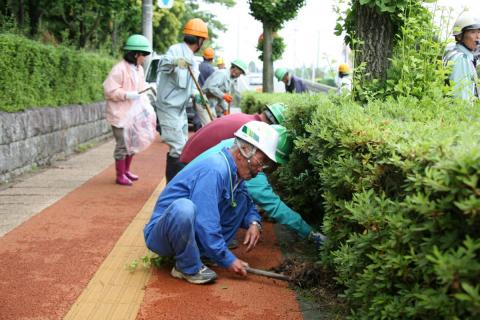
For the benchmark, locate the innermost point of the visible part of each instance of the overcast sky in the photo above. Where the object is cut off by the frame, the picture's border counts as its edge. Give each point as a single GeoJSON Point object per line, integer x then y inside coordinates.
{"type": "Point", "coordinates": [309, 37]}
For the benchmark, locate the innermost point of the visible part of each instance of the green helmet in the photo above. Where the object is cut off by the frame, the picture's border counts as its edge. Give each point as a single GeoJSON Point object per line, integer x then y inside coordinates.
{"type": "Point", "coordinates": [284, 145]}
{"type": "Point", "coordinates": [275, 112]}
{"type": "Point", "coordinates": [137, 42]}
{"type": "Point", "coordinates": [280, 73]}
{"type": "Point", "coordinates": [240, 64]}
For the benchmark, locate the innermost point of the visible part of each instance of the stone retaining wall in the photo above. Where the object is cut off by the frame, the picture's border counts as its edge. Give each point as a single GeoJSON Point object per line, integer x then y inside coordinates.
{"type": "Point", "coordinates": [38, 136]}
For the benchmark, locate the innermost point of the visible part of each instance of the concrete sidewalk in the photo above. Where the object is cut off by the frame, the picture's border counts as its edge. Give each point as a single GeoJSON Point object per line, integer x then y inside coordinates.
{"type": "Point", "coordinates": [33, 192]}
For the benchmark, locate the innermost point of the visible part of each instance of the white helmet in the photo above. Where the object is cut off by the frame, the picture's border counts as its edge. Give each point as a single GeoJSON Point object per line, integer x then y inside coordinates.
{"type": "Point", "coordinates": [465, 21]}
{"type": "Point", "coordinates": [260, 135]}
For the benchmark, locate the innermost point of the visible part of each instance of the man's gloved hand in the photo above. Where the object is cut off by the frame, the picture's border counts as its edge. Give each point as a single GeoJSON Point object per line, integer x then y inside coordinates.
{"type": "Point", "coordinates": [132, 95]}
{"type": "Point", "coordinates": [317, 238]}
{"type": "Point", "coordinates": [183, 62]}
{"type": "Point", "coordinates": [228, 98]}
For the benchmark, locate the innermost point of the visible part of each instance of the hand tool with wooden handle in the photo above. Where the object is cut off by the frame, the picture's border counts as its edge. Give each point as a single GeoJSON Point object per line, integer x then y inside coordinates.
{"type": "Point", "coordinates": [201, 93]}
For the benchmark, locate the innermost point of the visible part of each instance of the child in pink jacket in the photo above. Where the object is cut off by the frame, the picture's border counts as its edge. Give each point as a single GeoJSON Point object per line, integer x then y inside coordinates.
{"type": "Point", "coordinates": [121, 89]}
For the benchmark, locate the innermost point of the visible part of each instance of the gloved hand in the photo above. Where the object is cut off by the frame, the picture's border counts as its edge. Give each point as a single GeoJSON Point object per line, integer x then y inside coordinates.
{"type": "Point", "coordinates": [132, 95]}
{"type": "Point", "coordinates": [317, 238]}
{"type": "Point", "coordinates": [183, 62]}
{"type": "Point", "coordinates": [198, 98]}
{"type": "Point", "coordinates": [228, 98]}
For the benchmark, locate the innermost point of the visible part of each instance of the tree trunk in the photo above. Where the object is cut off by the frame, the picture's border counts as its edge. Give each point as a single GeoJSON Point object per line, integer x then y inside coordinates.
{"type": "Point", "coordinates": [82, 29]}
{"type": "Point", "coordinates": [114, 34]}
{"type": "Point", "coordinates": [21, 14]}
{"type": "Point", "coordinates": [34, 12]}
{"type": "Point", "coordinates": [147, 25]}
{"type": "Point", "coordinates": [267, 58]}
{"type": "Point", "coordinates": [374, 30]}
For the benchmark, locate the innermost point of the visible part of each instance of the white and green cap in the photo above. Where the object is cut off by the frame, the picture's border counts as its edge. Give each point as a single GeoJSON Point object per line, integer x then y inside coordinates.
{"type": "Point", "coordinates": [260, 135]}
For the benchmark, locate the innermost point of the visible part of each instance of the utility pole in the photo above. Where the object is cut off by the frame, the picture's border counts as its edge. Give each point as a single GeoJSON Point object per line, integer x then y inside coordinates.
{"type": "Point", "coordinates": [147, 28]}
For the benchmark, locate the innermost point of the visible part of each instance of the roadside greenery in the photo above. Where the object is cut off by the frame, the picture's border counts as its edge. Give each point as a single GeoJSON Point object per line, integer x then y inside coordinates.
{"type": "Point", "coordinates": [408, 61]}
{"type": "Point", "coordinates": [397, 185]}
{"type": "Point", "coordinates": [37, 75]}
{"type": "Point", "coordinates": [393, 178]}
{"type": "Point", "coordinates": [272, 15]}
{"type": "Point", "coordinates": [392, 174]}
{"type": "Point", "coordinates": [100, 25]}
{"type": "Point", "coordinates": [278, 47]}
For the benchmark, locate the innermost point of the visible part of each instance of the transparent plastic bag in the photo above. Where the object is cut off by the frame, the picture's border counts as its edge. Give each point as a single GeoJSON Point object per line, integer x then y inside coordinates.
{"type": "Point", "coordinates": [139, 127]}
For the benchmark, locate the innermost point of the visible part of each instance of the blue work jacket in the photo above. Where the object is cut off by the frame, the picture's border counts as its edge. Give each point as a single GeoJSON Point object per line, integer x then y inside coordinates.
{"type": "Point", "coordinates": [222, 204]}
{"type": "Point", "coordinates": [263, 195]}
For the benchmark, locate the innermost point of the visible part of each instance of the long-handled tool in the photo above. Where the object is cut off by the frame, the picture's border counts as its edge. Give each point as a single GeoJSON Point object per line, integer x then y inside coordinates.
{"type": "Point", "coordinates": [268, 274]}
{"type": "Point", "coordinates": [204, 100]}
{"type": "Point", "coordinates": [149, 88]}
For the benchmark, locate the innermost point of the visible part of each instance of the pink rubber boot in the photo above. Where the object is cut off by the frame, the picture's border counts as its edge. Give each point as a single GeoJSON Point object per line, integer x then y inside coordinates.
{"type": "Point", "coordinates": [131, 176]}
{"type": "Point", "coordinates": [121, 177]}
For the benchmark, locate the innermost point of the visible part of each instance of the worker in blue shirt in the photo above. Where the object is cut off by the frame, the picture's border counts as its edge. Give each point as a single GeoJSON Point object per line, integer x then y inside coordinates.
{"type": "Point", "coordinates": [264, 196]}
{"type": "Point", "coordinates": [204, 205]}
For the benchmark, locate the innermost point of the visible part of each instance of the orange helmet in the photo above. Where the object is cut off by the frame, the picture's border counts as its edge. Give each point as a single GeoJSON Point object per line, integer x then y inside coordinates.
{"type": "Point", "coordinates": [208, 53]}
{"type": "Point", "coordinates": [196, 27]}
{"type": "Point", "coordinates": [343, 68]}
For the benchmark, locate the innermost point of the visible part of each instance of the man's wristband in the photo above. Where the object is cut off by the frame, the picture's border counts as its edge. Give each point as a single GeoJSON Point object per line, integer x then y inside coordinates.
{"type": "Point", "coordinates": [258, 225]}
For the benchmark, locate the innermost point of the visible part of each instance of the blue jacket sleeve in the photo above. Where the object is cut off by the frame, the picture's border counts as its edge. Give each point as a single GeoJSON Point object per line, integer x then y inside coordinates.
{"type": "Point", "coordinates": [262, 194]}
{"type": "Point", "coordinates": [206, 195]}
{"type": "Point", "coordinates": [251, 210]}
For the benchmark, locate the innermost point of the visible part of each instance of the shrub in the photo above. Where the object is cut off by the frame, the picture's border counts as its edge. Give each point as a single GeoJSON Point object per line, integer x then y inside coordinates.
{"type": "Point", "coordinates": [37, 75]}
{"type": "Point", "coordinates": [398, 184]}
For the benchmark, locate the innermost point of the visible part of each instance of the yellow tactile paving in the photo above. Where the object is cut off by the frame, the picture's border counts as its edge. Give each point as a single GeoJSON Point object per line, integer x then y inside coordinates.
{"type": "Point", "coordinates": [114, 292]}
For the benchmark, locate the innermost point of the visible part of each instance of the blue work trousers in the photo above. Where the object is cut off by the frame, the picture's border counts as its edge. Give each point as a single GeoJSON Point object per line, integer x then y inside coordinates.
{"type": "Point", "coordinates": [174, 235]}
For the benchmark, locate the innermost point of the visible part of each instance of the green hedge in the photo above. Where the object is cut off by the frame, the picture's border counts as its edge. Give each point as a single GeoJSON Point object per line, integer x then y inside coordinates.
{"type": "Point", "coordinates": [398, 185]}
{"type": "Point", "coordinates": [37, 75]}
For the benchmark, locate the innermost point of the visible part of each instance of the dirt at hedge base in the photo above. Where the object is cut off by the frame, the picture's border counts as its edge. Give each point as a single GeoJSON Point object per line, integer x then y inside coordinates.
{"type": "Point", "coordinates": [305, 274]}
{"type": "Point", "coordinates": [314, 280]}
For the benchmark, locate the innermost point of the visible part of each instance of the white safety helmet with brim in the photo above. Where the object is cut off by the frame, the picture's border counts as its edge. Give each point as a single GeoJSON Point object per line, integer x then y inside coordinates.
{"type": "Point", "coordinates": [466, 21]}
{"type": "Point", "coordinates": [260, 135]}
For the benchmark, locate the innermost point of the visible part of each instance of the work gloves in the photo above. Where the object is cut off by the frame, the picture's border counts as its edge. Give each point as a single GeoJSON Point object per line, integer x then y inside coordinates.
{"type": "Point", "coordinates": [317, 238]}
{"type": "Point", "coordinates": [183, 62]}
{"type": "Point", "coordinates": [228, 98]}
{"type": "Point", "coordinates": [198, 98]}
{"type": "Point", "coordinates": [132, 95]}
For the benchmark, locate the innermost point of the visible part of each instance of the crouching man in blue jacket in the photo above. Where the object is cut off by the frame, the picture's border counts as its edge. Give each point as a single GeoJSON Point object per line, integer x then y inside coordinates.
{"type": "Point", "coordinates": [201, 209]}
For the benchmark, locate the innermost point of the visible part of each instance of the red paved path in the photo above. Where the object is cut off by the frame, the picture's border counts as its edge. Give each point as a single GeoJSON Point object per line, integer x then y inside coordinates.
{"type": "Point", "coordinates": [47, 261]}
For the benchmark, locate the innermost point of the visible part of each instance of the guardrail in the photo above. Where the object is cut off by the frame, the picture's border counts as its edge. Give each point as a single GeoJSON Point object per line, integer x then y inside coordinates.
{"type": "Point", "coordinates": [318, 87]}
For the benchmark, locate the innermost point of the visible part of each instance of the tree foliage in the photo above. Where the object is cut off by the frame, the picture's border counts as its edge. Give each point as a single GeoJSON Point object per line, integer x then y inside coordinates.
{"type": "Point", "coordinates": [272, 14]}
{"type": "Point", "coordinates": [396, 48]}
{"type": "Point", "coordinates": [100, 24]}
{"type": "Point", "coordinates": [278, 47]}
